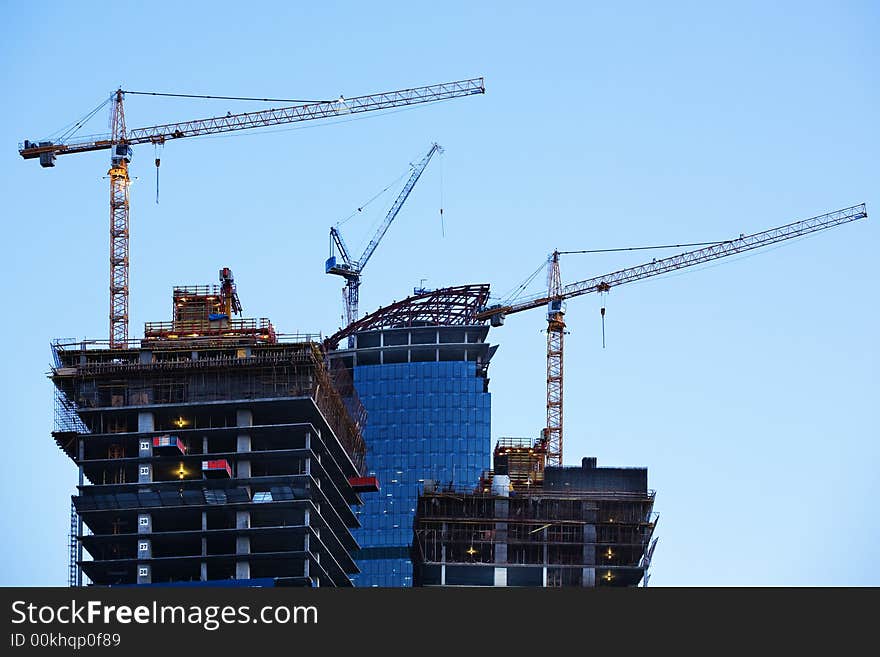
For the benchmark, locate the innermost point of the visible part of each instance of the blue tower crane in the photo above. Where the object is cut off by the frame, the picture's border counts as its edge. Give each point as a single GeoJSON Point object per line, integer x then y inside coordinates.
{"type": "Point", "coordinates": [351, 269]}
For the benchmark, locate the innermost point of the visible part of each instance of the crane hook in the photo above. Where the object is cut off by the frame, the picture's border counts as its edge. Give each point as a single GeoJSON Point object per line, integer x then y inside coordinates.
{"type": "Point", "coordinates": [604, 295]}
{"type": "Point", "coordinates": [156, 148]}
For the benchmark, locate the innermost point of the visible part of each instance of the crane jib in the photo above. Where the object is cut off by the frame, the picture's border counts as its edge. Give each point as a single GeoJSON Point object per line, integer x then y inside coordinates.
{"type": "Point", "coordinates": [231, 122]}
{"type": "Point", "coordinates": [689, 259]}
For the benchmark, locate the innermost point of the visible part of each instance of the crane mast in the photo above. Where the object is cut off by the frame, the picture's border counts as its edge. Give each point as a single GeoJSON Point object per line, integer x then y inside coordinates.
{"type": "Point", "coordinates": [351, 269]}
{"type": "Point", "coordinates": [555, 343]}
{"type": "Point", "coordinates": [120, 156]}
{"type": "Point", "coordinates": [120, 141]}
{"type": "Point", "coordinates": [557, 294]}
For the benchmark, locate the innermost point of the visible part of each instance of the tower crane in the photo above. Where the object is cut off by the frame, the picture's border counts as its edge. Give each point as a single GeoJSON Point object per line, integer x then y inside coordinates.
{"type": "Point", "coordinates": [120, 141]}
{"type": "Point", "coordinates": [350, 269]}
{"type": "Point", "coordinates": [557, 294]}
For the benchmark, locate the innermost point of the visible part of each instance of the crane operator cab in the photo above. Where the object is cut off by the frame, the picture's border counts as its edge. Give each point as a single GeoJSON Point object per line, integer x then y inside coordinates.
{"type": "Point", "coordinates": [555, 307]}
{"type": "Point", "coordinates": [120, 153]}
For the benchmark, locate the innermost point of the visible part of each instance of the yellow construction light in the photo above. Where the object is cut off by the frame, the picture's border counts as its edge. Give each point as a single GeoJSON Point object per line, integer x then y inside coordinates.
{"type": "Point", "coordinates": [180, 422]}
{"type": "Point", "coordinates": [608, 576]}
{"type": "Point", "coordinates": [181, 473]}
{"type": "Point", "coordinates": [609, 554]}
{"type": "Point", "coordinates": [471, 551]}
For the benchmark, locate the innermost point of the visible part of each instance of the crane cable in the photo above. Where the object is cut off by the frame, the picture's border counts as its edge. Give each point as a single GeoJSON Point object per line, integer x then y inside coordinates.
{"type": "Point", "coordinates": [373, 198]}
{"type": "Point", "coordinates": [442, 222]}
{"type": "Point", "coordinates": [518, 290]}
{"type": "Point", "coordinates": [70, 129]}
{"type": "Point", "coordinates": [157, 150]}
{"type": "Point", "coordinates": [261, 100]}
{"type": "Point", "coordinates": [603, 296]}
{"type": "Point", "coordinates": [643, 248]}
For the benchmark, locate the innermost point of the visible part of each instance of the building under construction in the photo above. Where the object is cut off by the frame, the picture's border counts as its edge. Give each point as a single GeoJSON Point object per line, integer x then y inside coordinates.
{"type": "Point", "coordinates": [420, 368]}
{"type": "Point", "coordinates": [214, 451]}
{"type": "Point", "coordinates": [531, 525]}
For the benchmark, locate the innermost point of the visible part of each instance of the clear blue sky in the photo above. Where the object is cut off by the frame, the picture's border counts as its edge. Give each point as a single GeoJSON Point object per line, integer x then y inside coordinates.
{"type": "Point", "coordinates": [749, 389]}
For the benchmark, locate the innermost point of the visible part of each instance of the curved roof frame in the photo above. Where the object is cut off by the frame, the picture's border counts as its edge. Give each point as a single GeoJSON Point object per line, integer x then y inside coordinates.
{"type": "Point", "coordinates": [448, 306]}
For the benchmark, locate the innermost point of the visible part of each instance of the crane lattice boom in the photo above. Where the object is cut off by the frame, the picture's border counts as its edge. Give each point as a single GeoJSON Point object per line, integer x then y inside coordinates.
{"type": "Point", "coordinates": [351, 269]}
{"type": "Point", "coordinates": [688, 259]}
{"type": "Point", "coordinates": [556, 294]}
{"type": "Point", "coordinates": [159, 134]}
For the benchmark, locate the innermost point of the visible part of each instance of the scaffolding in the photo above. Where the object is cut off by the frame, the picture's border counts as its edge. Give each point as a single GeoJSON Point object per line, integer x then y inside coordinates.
{"type": "Point", "coordinates": [521, 459]}
{"type": "Point", "coordinates": [90, 379]}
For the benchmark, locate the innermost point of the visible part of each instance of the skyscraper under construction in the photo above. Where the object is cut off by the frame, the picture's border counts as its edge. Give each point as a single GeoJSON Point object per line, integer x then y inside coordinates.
{"type": "Point", "coordinates": [212, 452]}
{"type": "Point", "coordinates": [531, 525]}
{"type": "Point", "coordinates": [420, 369]}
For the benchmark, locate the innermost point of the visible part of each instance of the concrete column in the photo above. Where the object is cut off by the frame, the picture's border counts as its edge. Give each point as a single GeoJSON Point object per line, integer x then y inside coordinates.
{"type": "Point", "coordinates": [81, 452]}
{"type": "Point", "coordinates": [145, 472]}
{"type": "Point", "coordinates": [242, 545]}
{"type": "Point", "coordinates": [146, 422]}
{"type": "Point", "coordinates": [145, 523]}
{"type": "Point", "coordinates": [443, 530]}
{"type": "Point", "coordinates": [502, 510]}
{"type": "Point", "coordinates": [80, 459]}
{"type": "Point", "coordinates": [307, 461]}
{"type": "Point", "coordinates": [204, 444]}
{"type": "Point", "coordinates": [588, 575]}
{"type": "Point", "coordinates": [243, 418]}
{"type": "Point", "coordinates": [203, 566]}
{"type": "Point", "coordinates": [307, 544]}
{"type": "Point", "coordinates": [144, 574]}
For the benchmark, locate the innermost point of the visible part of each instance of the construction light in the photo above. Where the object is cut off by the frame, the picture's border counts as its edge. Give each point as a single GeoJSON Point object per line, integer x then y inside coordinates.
{"type": "Point", "coordinates": [180, 422]}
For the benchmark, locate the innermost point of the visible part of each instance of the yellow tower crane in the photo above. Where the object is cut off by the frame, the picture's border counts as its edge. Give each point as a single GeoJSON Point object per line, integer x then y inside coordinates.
{"type": "Point", "coordinates": [557, 294]}
{"type": "Point", "coordinates": [120, 142]}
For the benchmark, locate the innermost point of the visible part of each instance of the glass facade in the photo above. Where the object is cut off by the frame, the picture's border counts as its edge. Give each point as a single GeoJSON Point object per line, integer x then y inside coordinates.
{"type": "Point", "coordinates": [426, 420]}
